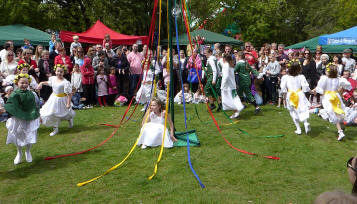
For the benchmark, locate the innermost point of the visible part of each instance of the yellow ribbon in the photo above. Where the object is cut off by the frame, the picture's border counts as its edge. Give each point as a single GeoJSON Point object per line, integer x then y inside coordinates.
{"type": "Point", "coordinates": [60, 95]}
{"type": "Point", "coordinates": [117, 165]}
{"type": "Point", "coordinates": [335, 101]}
{"type": "Point", "coordinates": [166, 108]}
{"type": "Point", "coordinates": [141, 132]}
{"type": "Point", "coordinates": [294, 98]}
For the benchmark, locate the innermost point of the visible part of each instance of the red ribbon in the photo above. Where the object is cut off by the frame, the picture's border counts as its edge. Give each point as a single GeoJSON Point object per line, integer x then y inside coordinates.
{"type": "Point", "coordinates": [209, 110]}
{"type": "Point", "coordinates": [152, 28]}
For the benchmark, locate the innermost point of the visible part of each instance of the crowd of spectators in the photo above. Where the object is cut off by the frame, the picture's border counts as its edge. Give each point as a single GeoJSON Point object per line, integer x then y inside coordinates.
{"type": "Point", "coordinates": [100, 73]}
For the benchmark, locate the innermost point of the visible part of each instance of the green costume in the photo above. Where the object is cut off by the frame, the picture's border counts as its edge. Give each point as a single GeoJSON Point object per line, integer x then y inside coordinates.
{"type": "Point", "coordinates": [209, 75]}
{"type": "Point", "coordinates": [22, 104]}
{"type": "Point", "coordinates": [244, 69]}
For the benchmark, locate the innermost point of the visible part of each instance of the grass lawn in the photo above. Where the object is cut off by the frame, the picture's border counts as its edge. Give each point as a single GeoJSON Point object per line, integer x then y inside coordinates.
{"type": "Point", "coordinates": [309, 165]}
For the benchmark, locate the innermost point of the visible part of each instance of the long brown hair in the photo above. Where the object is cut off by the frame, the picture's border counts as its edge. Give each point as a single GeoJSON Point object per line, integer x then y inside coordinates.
{"type": "Point", "coordinates": [228, 58]}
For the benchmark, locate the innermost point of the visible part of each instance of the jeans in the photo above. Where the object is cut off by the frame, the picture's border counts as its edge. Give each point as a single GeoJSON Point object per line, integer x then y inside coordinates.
{"type": "Point", "coordinates": [271, 86]}
{"type": "Point", "coordinates": [134, 80]}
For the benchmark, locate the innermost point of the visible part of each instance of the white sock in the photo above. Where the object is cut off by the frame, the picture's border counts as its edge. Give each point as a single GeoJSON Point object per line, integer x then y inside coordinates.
{"type": "Point", "coordinates": [296, 122]}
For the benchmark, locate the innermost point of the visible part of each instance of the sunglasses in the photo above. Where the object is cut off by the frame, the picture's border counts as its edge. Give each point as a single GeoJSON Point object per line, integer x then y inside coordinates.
{"type": "Point", "coordinates": [307, 53]}
{"type": "Point", "coordinates": [10, 55]}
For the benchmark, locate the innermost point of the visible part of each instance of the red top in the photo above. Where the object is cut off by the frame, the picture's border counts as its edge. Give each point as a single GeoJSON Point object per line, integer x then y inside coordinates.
{"type": "Point", "coordinates": [110, 43]}
{"type": "Point", "coordinates": [349, 94]}
{"type": "Point", "coordinates": [249, 57]}
{"type": "Point", "coordinates": [67, 61]}
{"type": "Point", "coordinates": [33, 63]}
{"type": "Point", "coordinates": [87, 72]}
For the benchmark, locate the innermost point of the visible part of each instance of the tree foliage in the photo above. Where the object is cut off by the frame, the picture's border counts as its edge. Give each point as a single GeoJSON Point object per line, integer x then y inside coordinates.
{"type": "Point", "coordinates": [282, 21]}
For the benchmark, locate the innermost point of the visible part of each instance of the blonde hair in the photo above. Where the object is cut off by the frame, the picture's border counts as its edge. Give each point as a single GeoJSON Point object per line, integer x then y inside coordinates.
{"type": "Point", "coordinates": [75, 37]}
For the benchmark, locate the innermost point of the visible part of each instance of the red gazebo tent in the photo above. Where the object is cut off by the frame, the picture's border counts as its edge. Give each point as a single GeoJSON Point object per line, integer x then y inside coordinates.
{"type": "Point", "coordinates": [96, 33]}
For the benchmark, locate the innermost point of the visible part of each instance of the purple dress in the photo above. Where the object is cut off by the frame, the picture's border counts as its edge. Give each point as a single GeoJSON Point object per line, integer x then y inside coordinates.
{"type": "Point", "coordinates": [112, 84]}
{"type": "Point", "coordinates": [102, 85]}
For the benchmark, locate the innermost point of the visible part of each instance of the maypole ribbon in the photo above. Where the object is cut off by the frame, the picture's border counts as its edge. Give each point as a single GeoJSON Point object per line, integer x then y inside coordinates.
{"type": "Point", "coordinates": [167, 105]}
{"type": "Point", "coordinates": [209, 110]}
{"type": "Point", "coordinates": [120, 163]}
{"type": "Point", "coordinates": [121, 121]}
{"type": "Point", "coordinates": [141, 132]}
{"type": "Point", "coordinates": [184, 109]}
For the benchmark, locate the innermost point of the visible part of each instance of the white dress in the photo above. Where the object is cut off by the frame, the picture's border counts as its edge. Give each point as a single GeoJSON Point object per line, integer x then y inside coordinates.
{"type": "Point", "coordinates": [296, 85]}
{"type": "Point", "coordinates": [55, 108]}
{"type": "Point", "coordinates": [22, 132]}
{"type": "Point", "coordinates": [153, 131]}
{"type": "Point", "coordinates": [178, 97]}
{"type": "Point", "coordinates": [351, 114]}
{"type": "Point", "coordinates": [230, 98]}
{"type": "Point", "coordinates": [326, 85]}
{"type": "Point", "coordinates": [145, 88]}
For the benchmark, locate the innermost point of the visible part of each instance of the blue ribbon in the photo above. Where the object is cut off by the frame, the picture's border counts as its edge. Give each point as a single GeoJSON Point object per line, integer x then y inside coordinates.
{"type": "Point", "coordinates": [184, 109]}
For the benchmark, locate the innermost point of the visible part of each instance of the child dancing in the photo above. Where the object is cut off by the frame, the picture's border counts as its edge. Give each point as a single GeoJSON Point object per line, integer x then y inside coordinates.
{"type": "Point", "coordinates": [230, 98]}
{"type": "Point", "coordinates": [23, 106]}
{"type": "Point", "coordinates": [58, 106]}
{"type": "Point", "coordinates": [334, 109]}
{"type": "Point", "coordinates": [294, 85]}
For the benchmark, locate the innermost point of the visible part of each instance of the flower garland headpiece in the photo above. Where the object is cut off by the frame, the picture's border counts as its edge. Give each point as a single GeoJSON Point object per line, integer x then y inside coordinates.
{"type": "Point", "coordinates": [328, 66]}
{"type": "Point", "coordinates": [19, 76]}
{"type": "Point", "coordinates": [293, 61]}
{"type": "Point", "coordinates": [23, 65]}
{"type": "Point", "coordinates": [60, 66]}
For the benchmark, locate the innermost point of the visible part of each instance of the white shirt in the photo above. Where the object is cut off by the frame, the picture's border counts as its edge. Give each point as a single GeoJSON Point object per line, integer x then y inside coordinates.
{"type": "Point", "coordinates": [215, 71]}
{"type": "Point", "coordinates": [76, 81]}
{"type": "Point", "coordinates": [273, 68]}
{"type": "Point", "coordinates": [228, 80]}
{"type": "Point", "coordinates": [350, 64]}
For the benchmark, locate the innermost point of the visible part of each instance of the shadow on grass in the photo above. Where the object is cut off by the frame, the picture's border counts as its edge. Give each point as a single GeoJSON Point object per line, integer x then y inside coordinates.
{"type": "Point", "coordinates": [40, 166]}
{"type": "Point", "coordinates": [316, 130]}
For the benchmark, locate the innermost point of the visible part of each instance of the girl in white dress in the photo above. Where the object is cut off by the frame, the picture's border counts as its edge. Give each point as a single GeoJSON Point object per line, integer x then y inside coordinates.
{"type": "Point", "coordinates": [334, 109]}
{"type": "Point", "coordinates": [294, 85]}
{"type": "Point", "coordinates": [23, 106]}
{"type": "Point", "coordinates": [58, 106]}
{"type": "Point", "coordinates": [153, 130]}
{"type": "Point", "coordinates": [144, 93]}
{"type": "Point", "coordinates": [230, 98]}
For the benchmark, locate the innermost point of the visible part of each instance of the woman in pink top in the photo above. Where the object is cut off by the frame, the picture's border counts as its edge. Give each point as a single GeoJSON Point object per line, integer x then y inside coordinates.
{"type": "Point", "coordinates": [193, 63]}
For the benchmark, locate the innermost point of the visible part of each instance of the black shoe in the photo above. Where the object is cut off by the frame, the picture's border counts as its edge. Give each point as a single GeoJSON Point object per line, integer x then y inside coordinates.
{"type": "Point", "coordinates": [212, 106]}
{"type": "Point", "coordinates": [257, 110]}
{"type": "Point", "coordinates": [219, 107]}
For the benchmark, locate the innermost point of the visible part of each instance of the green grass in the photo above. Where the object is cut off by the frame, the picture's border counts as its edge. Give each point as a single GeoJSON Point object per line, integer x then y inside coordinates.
{"type": "Point", "coordinates": [309, 165]}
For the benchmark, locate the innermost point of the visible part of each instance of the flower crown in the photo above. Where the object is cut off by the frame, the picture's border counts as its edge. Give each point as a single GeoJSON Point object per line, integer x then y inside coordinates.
{"type": "Point", "coordinates": [60, 66]}
{"type": "Point", "coordinates": [19, 76]}
{"type": "Point", "coordinates": [23, 65]}
{"type": "Point", "coordinates": [293, 61]}
{"type": "Point", "coordinates": [328, 66]}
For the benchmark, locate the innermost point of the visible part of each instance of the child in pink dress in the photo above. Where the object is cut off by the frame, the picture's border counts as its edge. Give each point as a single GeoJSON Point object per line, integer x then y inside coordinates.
{"type": "Point", "coordinates": [113, 88]}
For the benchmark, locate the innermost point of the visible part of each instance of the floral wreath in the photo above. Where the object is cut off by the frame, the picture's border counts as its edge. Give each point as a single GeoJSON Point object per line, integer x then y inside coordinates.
{"type": "Point", "coordinates": [19, 76]}
{"type": "Point", "coordinates": [293, 61]}
{"type": "Point", "coordinates": [23, 65]}
{"type": "Point", "coordinates": [328, 66]}
{"type": "Point", "coordinates": [60, 66]}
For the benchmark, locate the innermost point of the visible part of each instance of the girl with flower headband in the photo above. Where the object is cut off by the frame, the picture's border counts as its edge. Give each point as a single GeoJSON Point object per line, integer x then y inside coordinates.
{"type": "Point", "coordinates": [334, 109]}
{"type": "Point", "coordinates": [294, 85]}
{"type": "Point", "coordinates": [22, 69]}
{"type": "Point", "coordinates": [58, 106]}
{"type": "Point", "coordinates": [23, 106]}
